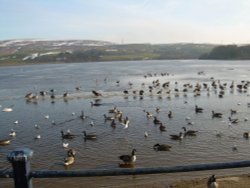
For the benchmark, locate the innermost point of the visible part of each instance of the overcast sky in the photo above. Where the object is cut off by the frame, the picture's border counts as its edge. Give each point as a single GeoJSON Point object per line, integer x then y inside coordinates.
{"type": "Point", "coordinates": [127, 21]}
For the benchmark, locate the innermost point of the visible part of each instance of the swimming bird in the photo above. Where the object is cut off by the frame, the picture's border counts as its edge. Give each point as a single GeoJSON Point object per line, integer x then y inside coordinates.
{"type": "Point", "coordinates": [233, 121]}
{"type": "Point", "coordinates": [125, 123]}
{"type": "Point", "coordinates": [162, 127]}
{"type": "Point", "coordinates": [189, 132]}
{"type": "Point", "coordinates": [170, 114]}
{"type": "Point", "coordinates": [113, 110]}
{"type": "Point", "coordinates": [46, 116]}
{"type": "Point", "coordinates": [65, 145]}
{"type": "Point", "coordinates": [67, 135]}
{"type": "Point", "coordinates": [7, 109]}
{"type": "Point", "coordinates": [37, 137]}
{"type": "Point", "coordinates": [156, 120]}
{"type": "Point", "coordinates": [217, 115]}
{"type": "Point", "coordinates": [91, 136]}
{"type": "Point", "coordinates": [145, 134]}
{"type": "Point", "coordinates": [128, 159]}
{"type": "Point", "coordinates": [70, 159]}
{"type": "Point", "coordinates": [108, 118]}
{"type": "Point", "coordinates": [149, 115]}
{"type": "Point", "coordinates": [113, 124]}
{"type": "Point", "coordinates": [37, 126]}
{"type": "Point", "coordinates": [95, 103]}
{"type": "Point", "coordinates": [16, 122]}
{"type": "Point", "coordinates": [211, 183]}
{"type": "Point", "coordinates": [5, 142]}
{"type": "Point", "coordinates": [96, 93]}
{"type": "Point", "coordinates": [12, 133]}
{"type": "Point", "coordinates": [177, 137]}
{"type": "Point", "coordinates": [162, 147]}
{"type": "Point", "coordinates": [198, 109]}
{"type": "Point", "coordinates": [82, 116]}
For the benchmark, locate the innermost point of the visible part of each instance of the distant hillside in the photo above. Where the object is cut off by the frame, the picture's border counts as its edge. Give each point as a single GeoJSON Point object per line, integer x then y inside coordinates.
{"type": "Point", "coordinates": [39, 51]}
{"type": "Point", "coordinates": [228, 52]}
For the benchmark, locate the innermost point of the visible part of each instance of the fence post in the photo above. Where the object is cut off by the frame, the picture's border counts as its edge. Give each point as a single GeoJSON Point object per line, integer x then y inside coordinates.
{"type": "Point", "coordinates": [21, 167]}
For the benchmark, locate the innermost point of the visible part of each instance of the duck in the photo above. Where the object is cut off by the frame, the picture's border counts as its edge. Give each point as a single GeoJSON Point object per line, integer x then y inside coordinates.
{"type": "Point", "coordinates": [198, 109]}
{"type": "Point", "coordinates": [67, 135]}
{"type": "Point", "coordinates": [189, 132]}
{"type": "Point", "coordinates": [113, 110]}
{"type": "Point", "coordinates": [5, 142]}
{"type": "Point", "coordinates": [70, 159]}
{"type": "Point", "coordinates": [177, 137]}
{"type": "Point", "coordinates": [170, 114]}
{"type": "Point", "coordinates": [149, 115]}
{"type": "Point", "coordinates": [96, 93]}
{"type": "Point", "coordinates": [91, 136]}
{"type": "Point", "coordinates": [233, 121]}
{"type": "Point", "coordinates": [128, 159]}
{"type": "Point", "coordinates": [211, 183]}
{"type": "Point", "coordinates": [217, 115]}
{"type": "Point", "coordinates": [162, 147]}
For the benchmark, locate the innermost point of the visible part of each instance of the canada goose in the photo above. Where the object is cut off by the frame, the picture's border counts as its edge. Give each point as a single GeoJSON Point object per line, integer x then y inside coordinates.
{"type": "Point", "coordinates": [217, 115]}
{"type": "Point", "coordinates": [91, 136]}
{"type": "Point", "coordinates": [128, 159]}
{"type": "Point", "coordinates": [162, 147]}
{"type": "Point", "coordinates": [113, 124]}
{"type": "Point", "coordinates": [211, 183]}
{"type": "Point", "coordinates": [70, 159]}
{"type": "Point", "coordinates": [5, 142]}
{"type": "Point", "coordinates": [198, 109]}
{"type": "Point", "coordinates": [177, 137]}
{"type": "Point", "coordinates": [189, 132]}
{"type": "Point", "coordinates": [162, 127]}
{"type": "Point", "coordinates": [67, 135]}
{"type": "Point", "coordinates": [156, 120]}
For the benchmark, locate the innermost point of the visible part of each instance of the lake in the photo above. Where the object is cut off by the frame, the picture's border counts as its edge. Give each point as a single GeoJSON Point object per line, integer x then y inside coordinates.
{"type": "Point", "coordinates": [214, 142]}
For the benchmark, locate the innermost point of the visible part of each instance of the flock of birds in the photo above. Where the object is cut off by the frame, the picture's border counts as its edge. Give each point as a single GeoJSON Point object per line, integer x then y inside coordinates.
{"type": "Point", "coordinates": [155, 88]}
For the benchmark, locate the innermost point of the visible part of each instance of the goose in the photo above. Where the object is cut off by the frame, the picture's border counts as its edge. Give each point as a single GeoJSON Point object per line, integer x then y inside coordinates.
{"type": "Point", "coordinates": [217, 115]}
{"type": "Point", "coordinates": [162, 147]}
{"type": "Point", "coordinates": [198, 109]}
{"type": "Point", "coordinates": [156, 120]}
{"type": "Point", "coordinates": [128, 159]}
{"type": "Point", "coordinates": [177, 137]}
{"type": "Point", "coordinates": [5, 142]}
{"type": "Point", "coordinates": [70, 159]}
{"type": "Point", "coordinates": [67, 135]}
{"type": "Point", "coordinates": [211, 183]}
{"type": "Point", "coordinates": [91, 136]}
{"type": "Point", "coordinates": [189, 132]}
{"type": "Point", "coordinates": [162, 127]}
{"type": "Point", "coordinates": [113, 124]}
